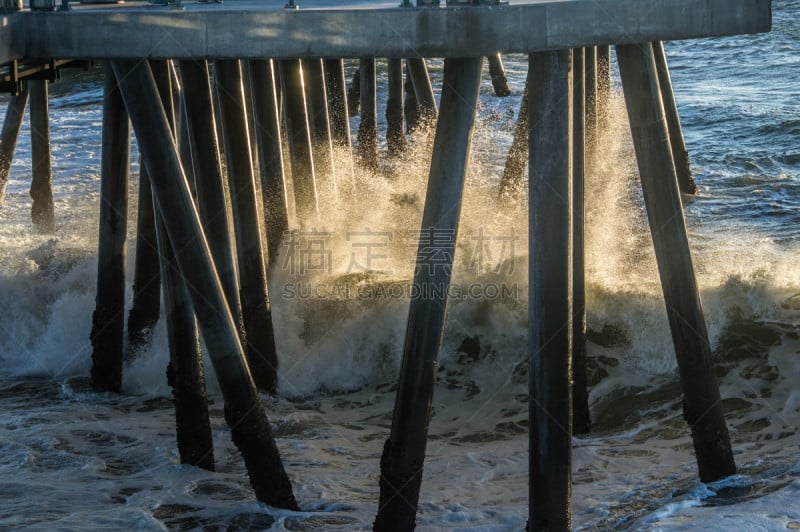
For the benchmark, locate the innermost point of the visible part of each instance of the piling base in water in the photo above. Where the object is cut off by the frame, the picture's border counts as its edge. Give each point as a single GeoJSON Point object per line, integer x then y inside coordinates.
{"type": "Point", "coordinates": [398, 485]}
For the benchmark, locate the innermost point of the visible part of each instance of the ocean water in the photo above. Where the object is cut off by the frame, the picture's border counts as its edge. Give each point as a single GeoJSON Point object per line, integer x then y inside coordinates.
{"type": "Point", "coordinates": [75, 459]}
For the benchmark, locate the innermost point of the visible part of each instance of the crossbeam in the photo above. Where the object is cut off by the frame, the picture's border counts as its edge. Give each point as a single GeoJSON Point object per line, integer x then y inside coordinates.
{"type": "Point", "coordinates": [264, 29]}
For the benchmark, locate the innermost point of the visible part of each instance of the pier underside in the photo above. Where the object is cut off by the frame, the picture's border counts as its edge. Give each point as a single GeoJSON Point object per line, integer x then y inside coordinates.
{"type": "Point", "coordinates": [359, 28]}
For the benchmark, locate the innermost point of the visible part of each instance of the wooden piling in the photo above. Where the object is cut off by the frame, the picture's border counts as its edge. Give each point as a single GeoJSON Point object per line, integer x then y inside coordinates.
{"type": "Point", "coordinates": [679, 153]}
{"type": "Point", "coordinates": [181, 127]}
{"type": "Point", "coordinates": [337, 102]}
{"type": "Point", "coordinates": [42, 211]}
{"type": "Point", "coordinates": [185, 370]}
{"type": "Point", "coordinates": [603, 85]}
{"type": "Point", "coordinates": [146, 304]}
{"type": "Point", "coordinates": [319, 122]}
{"type": "Point", "coordinates": [404, 452]}
{"type": "Point", "coordinates": [590, 91]}
{"type": "Point", "coordinates": [701, 404]}
{"type": "Point", "coordinates": [550, 290]}
{"type": "Point", "coordinates": [498, 74]}
{"type": "Point", "coordinates": [423, 90]}
{"type": "Point", "coordinates": [185, 149]}
{"type": "Point", "coordinates": [249, 99]}
{"type": "Point", "coordinates": [270, 153]}
{"type": "Point", "coordinates": [256, 313]}
{"type": "Point", "coordinates": [108, 320]}
{"type": "Point", "coordinates": [199, 102]}
{"type": "Point", "coordinates": [185, 373]}
{"type": "Point", "coordinates": [354, 94]}
{"type": "Point", "coordinates": [368, 126]}
{"type": "Point", "coordinates": [163, 77]}
{"type": "Point", "coordinates": [10, 133]}
{"type": "Point", "coordinates": [581, 420]}
{"type": "Point", "coordinates": [513, 179]}
{"type": "Point", "coordinates": [297, 128]}
{"type": "Point", "coordinates": [244, 412]}
{"type": "Point", "coordinates": [410, 106]}
{"type": "Point", "coordinates": [395, 136]}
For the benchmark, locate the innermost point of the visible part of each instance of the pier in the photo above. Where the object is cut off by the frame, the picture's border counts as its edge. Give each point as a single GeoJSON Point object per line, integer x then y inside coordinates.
{"type": "Point", "coordinates": [248, 99]}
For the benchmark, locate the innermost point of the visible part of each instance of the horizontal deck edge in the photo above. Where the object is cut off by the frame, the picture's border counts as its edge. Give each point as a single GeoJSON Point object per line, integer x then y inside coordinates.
{"type": "Point", "coordinates": [443, 32]}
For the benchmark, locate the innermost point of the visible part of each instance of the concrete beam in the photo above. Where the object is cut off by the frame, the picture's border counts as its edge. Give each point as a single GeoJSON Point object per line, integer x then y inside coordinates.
{"type": "Point", "coordinates": [12, 42]}
{"type": "Point", "coordinates": [252, 30]}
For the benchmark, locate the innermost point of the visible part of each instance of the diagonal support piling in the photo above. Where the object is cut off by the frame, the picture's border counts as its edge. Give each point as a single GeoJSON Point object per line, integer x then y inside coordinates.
{"type": "Point", "coordinates": [404, 452]}
{"type": "Point", "coordinates": [10, 133]}
{"type": "Point", "coordinates": [680, 154]}
{"type": "Point", "coordinates": [701, 405]}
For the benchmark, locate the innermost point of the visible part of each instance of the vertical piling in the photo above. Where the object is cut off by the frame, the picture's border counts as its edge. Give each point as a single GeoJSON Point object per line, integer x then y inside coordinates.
{"type": "Point", "coordinates": [679, 153]}
{"type": "Point", "coordinates": [147, 274]}
{"type": "Point", "coordinates": [404, 452]}
{"type": "Point", "coordinates": [701, 404]}
{"type": "Point", "coordinates": [354, 94]}
{"type": "Point", "coordinates": [249, 99]}
{"type": "Point", "coordinates": [423, 90]}
{"type": "Point", "coordinates": [185, 373]}
{"type": "Point", "coordinates": [368, 126]}
{"type": "Point", "coordinates": [244, 412]}
{"type": "Point", "coordinates": [395, 137]}
{"type": "Point", "coordinates": [603, 84]}
{"type": "Point", "coordinates": [590, 90]}
{"type": "Point", "coordinates": [550, 290]}
{"type": "Point", "coordinates": [297, 128]}
{"type": "Point", "coordinates": [411, 106]}
{"type": "Point", "coordinates": [199, 102]}
{"type": "Point", "coordinates": [42, 211]}
{"type": "Point", "coordinates": [318, 118]}
{"type": "Point", "coordinates": [270, 154]}
{"type": "Point", "coordinates": [256, 313]}
{"type": "Point", "coordinates": [337, 102]}
{"type": "Point", "coordinates": [581, 420]}
{"type": "Point", "coordinates": [498, 74]}
{"type": "Point", "coordinates": [185, 370]}
{"type": "Point", "coordinates": [513, 178]}
{"type": "Point", "coordinates": [10, 133]}
{"type": "Point", "coordinates": [108, 320]}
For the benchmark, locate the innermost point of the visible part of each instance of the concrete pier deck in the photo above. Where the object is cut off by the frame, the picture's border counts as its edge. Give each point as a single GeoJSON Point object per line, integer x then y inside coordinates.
{"type": "Point", "coordinates": [360, 28]}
